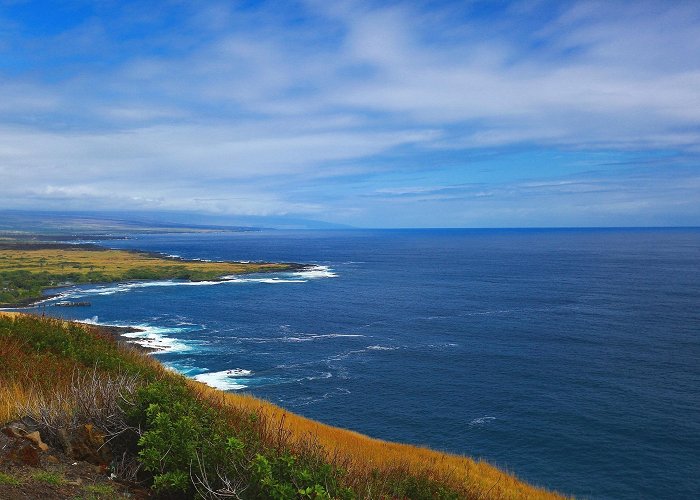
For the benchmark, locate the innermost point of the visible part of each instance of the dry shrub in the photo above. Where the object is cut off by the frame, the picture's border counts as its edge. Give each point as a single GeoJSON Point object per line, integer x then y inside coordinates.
{"type": "Point", "coordinates": [91, 397]}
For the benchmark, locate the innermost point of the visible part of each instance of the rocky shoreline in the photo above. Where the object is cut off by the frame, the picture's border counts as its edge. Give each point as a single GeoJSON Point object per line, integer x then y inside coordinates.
{"type": "Point", "coordinates": [37, 301]}
{"type": "Point", "coordinates": [119, 334]}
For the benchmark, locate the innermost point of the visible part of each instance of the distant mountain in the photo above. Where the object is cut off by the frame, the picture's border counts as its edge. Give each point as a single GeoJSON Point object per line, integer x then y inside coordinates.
{"type": "Point", "coordinates": [115, 223]}
{"type": "Point", "coordinates": [250, 221]}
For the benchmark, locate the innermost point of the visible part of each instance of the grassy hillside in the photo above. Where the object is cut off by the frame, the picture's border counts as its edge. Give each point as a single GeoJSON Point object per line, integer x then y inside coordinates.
{"type": "Point", "coordinates": [27, 270]}
{"type": "Point", "coordinates": [181, 438]}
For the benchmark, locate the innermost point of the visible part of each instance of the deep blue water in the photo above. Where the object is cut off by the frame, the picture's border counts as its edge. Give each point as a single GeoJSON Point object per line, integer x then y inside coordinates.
{"type": "Point", "coordinates": [570, 357]}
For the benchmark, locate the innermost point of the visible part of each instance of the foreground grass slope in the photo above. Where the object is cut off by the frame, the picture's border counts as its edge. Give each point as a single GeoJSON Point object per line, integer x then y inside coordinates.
{"type": "Point", "coordinates": [27, 270]}
{"type": "Point", "coordinates": [186, 439]}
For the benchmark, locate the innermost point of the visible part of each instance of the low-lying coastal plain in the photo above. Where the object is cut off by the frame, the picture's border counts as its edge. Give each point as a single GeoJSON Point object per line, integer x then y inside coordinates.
{"type": "Point", "coordinates": [28, 269]}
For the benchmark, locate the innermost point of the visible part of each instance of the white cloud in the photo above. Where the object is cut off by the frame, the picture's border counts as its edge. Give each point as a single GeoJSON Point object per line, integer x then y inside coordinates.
{"type": "Point", "coordinates": [229, 101]}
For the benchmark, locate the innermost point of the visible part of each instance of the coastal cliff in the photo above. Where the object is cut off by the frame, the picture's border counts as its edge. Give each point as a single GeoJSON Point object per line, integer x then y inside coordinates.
{"type": "Point", "coordinates": [158, 433]}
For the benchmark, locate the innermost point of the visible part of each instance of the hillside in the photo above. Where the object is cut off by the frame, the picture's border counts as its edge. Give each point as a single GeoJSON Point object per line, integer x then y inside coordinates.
{"type": "Point", "coordinates": [170, 436]}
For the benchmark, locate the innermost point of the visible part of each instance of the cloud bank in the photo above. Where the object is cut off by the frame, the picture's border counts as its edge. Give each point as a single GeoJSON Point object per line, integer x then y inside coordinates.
{"type": "Point", "coordinates": [430, 114]}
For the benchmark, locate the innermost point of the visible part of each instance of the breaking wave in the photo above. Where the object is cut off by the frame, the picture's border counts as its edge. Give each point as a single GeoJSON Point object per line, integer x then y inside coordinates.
{"type": "Point", "coordinates": [157, 338]}
{"type": "Point", "coordinates": [226, 380]}
{"type": "Point", "coordinates": [481, 421]}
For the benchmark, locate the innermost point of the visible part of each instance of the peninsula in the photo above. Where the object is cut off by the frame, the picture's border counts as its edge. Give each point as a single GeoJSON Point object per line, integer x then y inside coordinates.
{"type": "Point", "coordinates": [27, 269]}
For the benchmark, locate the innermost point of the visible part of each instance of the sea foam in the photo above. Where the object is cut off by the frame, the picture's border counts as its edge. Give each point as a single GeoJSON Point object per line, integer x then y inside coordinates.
{"type": "Point", "coordinates": [76, 292]}
{"type": "Point", "coordinates": [151, 337]}
{"type": "Point", "coordinates": [481, 421]}
{"type": "Point", "coordinates": [316, 272]}
{"type": "Point", "coordinates": [311, 336]}
{"type": "Point", "coordinates": [381, 348]}
{"type": "Point", "coordinates": [226, 380]}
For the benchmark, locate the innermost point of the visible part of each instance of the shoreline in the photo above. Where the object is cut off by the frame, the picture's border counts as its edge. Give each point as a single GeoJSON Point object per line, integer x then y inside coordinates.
{"type": "Point", "coordinates": [31, 302]}
{"type": "Point", "coordinates": [118, 333]}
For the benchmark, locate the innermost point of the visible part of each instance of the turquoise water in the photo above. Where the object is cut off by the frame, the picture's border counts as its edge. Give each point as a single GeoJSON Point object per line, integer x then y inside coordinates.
{"type": "Point", "coordinates": [569, 357]}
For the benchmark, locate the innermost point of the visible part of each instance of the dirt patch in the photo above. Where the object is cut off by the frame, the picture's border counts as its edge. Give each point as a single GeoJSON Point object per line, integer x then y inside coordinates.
{"type": "Point", "coordinates": [56, 476]}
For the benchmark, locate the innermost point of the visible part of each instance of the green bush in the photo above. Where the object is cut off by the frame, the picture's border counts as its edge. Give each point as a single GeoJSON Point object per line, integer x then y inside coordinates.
{"type": "Point", "coordinates": [174, 426]}
{"type": "Point", "coordinates": [183, 441]}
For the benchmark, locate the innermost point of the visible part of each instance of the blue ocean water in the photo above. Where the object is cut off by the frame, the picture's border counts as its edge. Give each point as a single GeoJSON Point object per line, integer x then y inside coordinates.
{"type": "Point", "coordinates": [569, 357]}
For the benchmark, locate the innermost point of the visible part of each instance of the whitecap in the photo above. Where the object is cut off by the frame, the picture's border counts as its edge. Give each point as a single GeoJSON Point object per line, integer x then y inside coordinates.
{"type": "Point", "coordinates": [184, 368]}
{"type": "Point", "coordinates": [316, 272]}
{"type": "Point", "coordinates": [52, 298]}
{"type": "Point", "coordinates": [148, 336]}
{"type": "Point", "coordinates": [344, 355]}
{"type": "Point", "coordinates": [111, 289]}
{"type": "Point", "coordinates": [157, 338]}
{"type": "Point", "coordinates": [320, 376]}
{"type": "Point", "coordinates": [273, 280]}
{"type": "Point", "coordinates": [481, 421]}
{"type": "Point", "coordinates": [441, 346]}
{"type": "Point", "coordinates": [381, 348]}
{"type": "Point", "coordinates": [226, 380]}
{"type": "Point", "coordinates": [126, 287]}
{"type": "Point", "coordinates": [233, 278]}
{"type": "Point", "coordinates": [310, 337]}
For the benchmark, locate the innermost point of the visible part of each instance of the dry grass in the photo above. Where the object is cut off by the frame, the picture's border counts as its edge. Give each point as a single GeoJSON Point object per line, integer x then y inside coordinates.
{"type": "Point", "coordinates": [365, 457]}
{"type": "Point", "coordinates": [26, 377]}
{"type": "Point", "coordinates": [13, 396]}
{"type": "Point", "coordinates": [30, 379]}
{"type": "Point", "coordinates": [92, 397]}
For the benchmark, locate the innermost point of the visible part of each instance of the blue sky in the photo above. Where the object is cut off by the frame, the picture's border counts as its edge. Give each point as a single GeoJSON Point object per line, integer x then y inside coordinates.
{"type": "Point", "coordinates": [375, 114]}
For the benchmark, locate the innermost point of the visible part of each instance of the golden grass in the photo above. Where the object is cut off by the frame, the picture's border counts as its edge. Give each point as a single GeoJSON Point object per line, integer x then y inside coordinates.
{"type": "Point", "coordinates": [114, 263]}
{"type": "Point", "coordinates": [13, 396]}
{"type": "Point", "coordinates": [27, 377]}
{"type": "Point", "coordinates": [363, 455]}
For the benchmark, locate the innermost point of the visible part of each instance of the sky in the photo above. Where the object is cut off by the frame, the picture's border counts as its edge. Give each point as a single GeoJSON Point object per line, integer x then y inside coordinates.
{"type": "Point", "coordinates": [372, 114]}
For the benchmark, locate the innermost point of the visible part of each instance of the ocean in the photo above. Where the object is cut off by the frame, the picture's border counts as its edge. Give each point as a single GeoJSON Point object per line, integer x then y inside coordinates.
{"type": "Point", "coordinates": [568, 357]}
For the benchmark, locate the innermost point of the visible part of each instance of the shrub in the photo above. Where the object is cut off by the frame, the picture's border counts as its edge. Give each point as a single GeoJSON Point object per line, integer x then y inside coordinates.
{"type": "Point", "coordinates": [173, 427]}
{"type": "Point", "coordinates": [189, 448]}
{"type": "Point", "coordinates": [91, 397]}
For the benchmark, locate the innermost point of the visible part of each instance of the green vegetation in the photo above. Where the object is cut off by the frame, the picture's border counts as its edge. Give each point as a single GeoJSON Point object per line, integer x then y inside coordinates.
{"type": "Point", "coordinates": [99, 490]}
{"type": "Point", "coordinates": [49, 478]}
{"type": "Point", "coordinates": [179, 431]}
{"type": "Point", "coordinates": [27, 270]}
{"type": "Point", "coordinates": [60, 341]}
{"type": "Point", "coordinates": [9, 480]}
